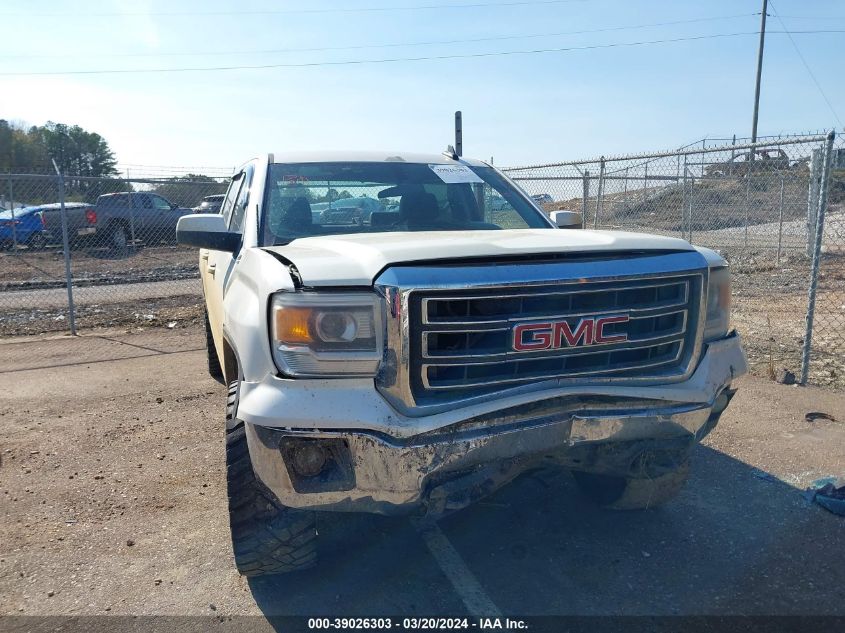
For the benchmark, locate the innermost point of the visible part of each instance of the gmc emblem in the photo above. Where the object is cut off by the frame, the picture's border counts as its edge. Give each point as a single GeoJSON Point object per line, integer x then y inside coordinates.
{"type": "Point", "coordinates": [532, 337]}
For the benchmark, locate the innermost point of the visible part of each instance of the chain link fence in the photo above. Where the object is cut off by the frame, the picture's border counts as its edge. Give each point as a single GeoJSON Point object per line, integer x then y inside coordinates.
{"type": "Point", "coordinates": [775, 210]}
{"type": "Point", "coordinates": [762, 206]}
{"type": "Point", "coordinates": [105, 246]}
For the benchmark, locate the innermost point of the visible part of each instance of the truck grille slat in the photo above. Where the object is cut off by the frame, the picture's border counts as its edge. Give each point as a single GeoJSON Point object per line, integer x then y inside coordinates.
{"type": "Point", "coordinates": [492, 343]}
{"type": "Point", "coordinates": [521, 371]}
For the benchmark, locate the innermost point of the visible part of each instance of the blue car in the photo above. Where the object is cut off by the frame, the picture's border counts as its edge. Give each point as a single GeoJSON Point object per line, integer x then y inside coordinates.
{"type": "Point", "coordinates": [25, 228]}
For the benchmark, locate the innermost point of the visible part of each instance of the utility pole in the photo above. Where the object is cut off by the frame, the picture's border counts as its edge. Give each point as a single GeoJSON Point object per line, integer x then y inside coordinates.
{"type": "Point", "coordinates": [459, 134]}
{"type": "Point", "coordinates": [759, 73]}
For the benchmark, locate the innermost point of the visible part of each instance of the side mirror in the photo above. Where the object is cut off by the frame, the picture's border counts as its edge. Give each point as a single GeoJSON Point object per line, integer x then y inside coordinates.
{"type": "Point", "coordinates": [566, 219]}
{"type": "Point", "coordinates": [206, 230]}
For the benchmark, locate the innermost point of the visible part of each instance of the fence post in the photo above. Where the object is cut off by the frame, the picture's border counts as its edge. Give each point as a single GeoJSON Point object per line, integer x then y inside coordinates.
{"type": "Point", "coordinates": [684, 198]}
{"type": "Point", "coordinates": [780, 221]}
{"type": "Point", "coordinates": [586, 195]}
{"type": "Point", "coordinates": [733, 155]}
{"type": "Point", "coordinates": [131, 211]}
{"type": "Point", "coordinates": [599, 193]}
{"type": "Point", "coordinates": [66, 247]}
{"type": "Point", "coordinates": [625, 190]}
{"type": "Point", "coordinates": [689, 216]}
{"type": "Point", "coordinates": [748, 177]}
{"type": "Point", "coordinates": [12, 212]}
{"type": "Point", "coordinates": [813, 199]}
{"type": "Point", "coordinates": [824, 185]}
{"type": "Point", "coordinates": [645, 183]}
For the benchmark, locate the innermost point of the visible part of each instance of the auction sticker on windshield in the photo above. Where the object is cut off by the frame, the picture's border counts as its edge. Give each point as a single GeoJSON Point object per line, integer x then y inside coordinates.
{"type": "Point", "coordinates": [451, 174]}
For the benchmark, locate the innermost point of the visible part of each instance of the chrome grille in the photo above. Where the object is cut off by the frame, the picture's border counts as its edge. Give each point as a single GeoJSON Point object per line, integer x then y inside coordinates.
{"type": "Point", "coordinates": [465, 340]}
{"type": "Point", "coordinates": [450, 326]}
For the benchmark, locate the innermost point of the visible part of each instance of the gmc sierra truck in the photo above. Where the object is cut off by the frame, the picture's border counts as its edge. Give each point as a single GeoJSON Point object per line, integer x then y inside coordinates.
{"type": "Point", "coordinates": [455, 338]}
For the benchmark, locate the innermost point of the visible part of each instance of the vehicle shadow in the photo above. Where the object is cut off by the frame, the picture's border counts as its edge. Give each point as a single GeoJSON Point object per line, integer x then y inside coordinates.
{"type": "Point", "coordinates": [732, 543]}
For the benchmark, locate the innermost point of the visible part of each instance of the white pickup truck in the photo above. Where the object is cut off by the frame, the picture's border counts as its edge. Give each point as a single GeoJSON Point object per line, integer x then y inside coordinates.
{"type": "Point", "coordinates": [416, 357]}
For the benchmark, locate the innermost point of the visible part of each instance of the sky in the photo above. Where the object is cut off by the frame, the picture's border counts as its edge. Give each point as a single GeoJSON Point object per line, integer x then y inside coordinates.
{"type": "Point", "coordinates": [607, 94]}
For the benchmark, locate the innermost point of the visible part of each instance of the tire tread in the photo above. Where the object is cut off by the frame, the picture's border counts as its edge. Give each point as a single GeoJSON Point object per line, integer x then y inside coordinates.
{"type": "Point", "coordinates": [267, 537]}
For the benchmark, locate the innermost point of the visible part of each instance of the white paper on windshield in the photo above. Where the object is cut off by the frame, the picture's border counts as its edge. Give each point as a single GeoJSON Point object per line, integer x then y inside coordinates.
{"type": "Point", "coordinates": [451, 174]}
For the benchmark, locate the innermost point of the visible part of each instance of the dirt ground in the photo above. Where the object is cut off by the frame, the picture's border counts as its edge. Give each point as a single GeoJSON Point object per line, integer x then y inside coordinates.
{"type": "Point", "coordinates": [113, 502]}
{"type": "Point", "coordinates": [25, 268]}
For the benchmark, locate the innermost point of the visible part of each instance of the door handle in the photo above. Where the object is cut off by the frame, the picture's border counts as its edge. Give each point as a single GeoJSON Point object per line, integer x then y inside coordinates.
{"type": "Point", "coordinates": [211, 269]}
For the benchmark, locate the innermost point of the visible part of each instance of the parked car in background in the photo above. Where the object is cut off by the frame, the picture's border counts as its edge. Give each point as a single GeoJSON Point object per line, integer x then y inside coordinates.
{"type": "Point", "coordinates": [22, 226]}
{"type": "Point", "coordinates": [52, 213]}
{"type": "Point", "coordinates": [210, 204]}
{"type": "Point", "coordinates": [118, 218]}
{"type": "Point", "coordinates": [350, 211]}
{"type": "Point", "coordinates": [542, 198]}
{"type": "Point", "coordinates": [742, 164]}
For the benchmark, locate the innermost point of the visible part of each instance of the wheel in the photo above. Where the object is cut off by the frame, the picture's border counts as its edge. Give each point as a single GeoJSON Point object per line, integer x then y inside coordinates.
{"type": "Point", "coordinates": [267, 537]}
{"type": "Point", "coordinates": [118, 241]}
{"type": "Point", "coordinates": [214, 369]}
{"type": "Point", "coordinates": [621, 493]}
{"type": "Point", "coordinates": [37, 241]}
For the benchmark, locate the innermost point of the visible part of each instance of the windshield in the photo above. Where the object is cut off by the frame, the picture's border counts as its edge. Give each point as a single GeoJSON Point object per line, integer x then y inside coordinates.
{"type": "Point", "coordinates": [311, 199]}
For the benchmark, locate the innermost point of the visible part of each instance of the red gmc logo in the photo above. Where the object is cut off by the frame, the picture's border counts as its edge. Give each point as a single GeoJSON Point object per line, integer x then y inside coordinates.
{"type": "Point", "coordinates": [532, 337]}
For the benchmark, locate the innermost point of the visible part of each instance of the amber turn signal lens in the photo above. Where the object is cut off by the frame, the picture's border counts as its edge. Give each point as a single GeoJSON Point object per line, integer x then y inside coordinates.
{"type": "Point", "coordinates": [293, 325]}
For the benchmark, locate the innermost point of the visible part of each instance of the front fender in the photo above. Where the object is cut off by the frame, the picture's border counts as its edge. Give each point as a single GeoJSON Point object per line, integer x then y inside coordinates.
{"type": "Point", "coordinates": [254, 276]}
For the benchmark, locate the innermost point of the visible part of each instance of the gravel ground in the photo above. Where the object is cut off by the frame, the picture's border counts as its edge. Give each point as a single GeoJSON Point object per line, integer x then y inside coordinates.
{"type": "Point", "coordinates": [113, 502]}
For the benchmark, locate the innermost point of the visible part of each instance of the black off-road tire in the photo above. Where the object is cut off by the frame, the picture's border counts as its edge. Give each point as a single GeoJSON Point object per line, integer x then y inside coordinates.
{"type": "Point", "coordinates": [214, 368]}
{"type": "Point", "coordinates": [267, 537]}
{"type": "Point", "coordinates": [118, 239]}
{"type": "Point", "coordinates": [621, 493]}
{"type": "Point", "coordinates": [37, 242]}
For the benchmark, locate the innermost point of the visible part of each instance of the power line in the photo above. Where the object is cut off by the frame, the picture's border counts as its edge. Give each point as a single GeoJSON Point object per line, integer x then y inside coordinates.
{"type": "Point", "coordinates": [807, 66]}
{"type": "Point", "coordinates": [372, 61]}
{"type": "Point", "coordinates": [397, 44]}
{"type": "Point", "coordinates": [353, 62]}
{"type": "Point", "coordinates": [425, 7]}
{"type": "Point", "coordinates": [813, 17]}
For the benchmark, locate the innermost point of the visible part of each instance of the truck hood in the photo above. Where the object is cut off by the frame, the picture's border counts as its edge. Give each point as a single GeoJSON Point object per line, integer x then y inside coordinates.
{"type": "Point", "coordinates": [357, 259]}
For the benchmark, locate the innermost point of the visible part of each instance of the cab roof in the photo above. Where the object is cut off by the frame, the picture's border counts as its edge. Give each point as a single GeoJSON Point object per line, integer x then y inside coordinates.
{"type": "Point", "coordinates": [371, 157]}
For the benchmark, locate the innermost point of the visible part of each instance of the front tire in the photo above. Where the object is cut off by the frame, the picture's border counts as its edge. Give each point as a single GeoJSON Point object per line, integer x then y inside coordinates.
{"type": "Point", "coordinates": [626, 493]}
{"type": "Point", "coordinates": [267, 537]}
{"type": "Point", "coordinates": [36, 241]}
{"type": "Point", "coordinates": [118, 240]}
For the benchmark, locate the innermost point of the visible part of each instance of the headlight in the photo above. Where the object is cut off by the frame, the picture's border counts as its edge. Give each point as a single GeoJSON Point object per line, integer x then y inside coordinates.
{"type": "Point", "coordinates": [718, 304]}
{"type": "Point", "coordinates": [326, 334]}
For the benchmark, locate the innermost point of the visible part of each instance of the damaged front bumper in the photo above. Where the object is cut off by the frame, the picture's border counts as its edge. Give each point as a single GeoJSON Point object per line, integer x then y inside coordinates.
{"type": "Point", "coordinates": [443, 467]}
{"type": "Point", "coordinates": [368, 472]}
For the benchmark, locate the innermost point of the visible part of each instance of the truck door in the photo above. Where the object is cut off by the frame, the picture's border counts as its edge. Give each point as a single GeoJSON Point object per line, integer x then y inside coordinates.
{"type": "Point", "coordinates": [141, 212]}
{"type": "Point", "coordinates": [215, 266]}
{"type": "Point", "coordinates": [163, 221]}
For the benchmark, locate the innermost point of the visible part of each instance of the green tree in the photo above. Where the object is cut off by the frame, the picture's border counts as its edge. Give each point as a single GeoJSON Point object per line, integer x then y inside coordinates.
{"type": "Point", "coordinates": [76, 151]}
{"type": "Point", "coordinates": [190, 189]}
{"type": "Point", "coordinates": [79, 154]}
